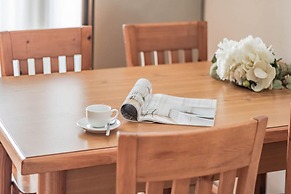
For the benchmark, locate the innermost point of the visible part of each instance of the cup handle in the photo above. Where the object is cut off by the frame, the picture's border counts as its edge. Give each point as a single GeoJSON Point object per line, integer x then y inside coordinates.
{"type": "Point", "coordinates": [114, 111]}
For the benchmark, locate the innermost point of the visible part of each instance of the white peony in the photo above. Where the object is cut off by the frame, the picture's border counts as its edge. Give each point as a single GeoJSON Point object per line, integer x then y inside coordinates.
{"type": "Point", "coordinates": [247, 60]}
{"type": "Point", "coordinates": [262, 74]}
{"type": "Point", "coordinates": [224, 56]}
{"type": "Point", "coordinates": [254, 49]}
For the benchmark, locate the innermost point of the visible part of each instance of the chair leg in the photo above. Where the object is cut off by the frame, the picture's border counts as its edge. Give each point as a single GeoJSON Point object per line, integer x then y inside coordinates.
{"type": "Point", "coordinates": [5, 171]}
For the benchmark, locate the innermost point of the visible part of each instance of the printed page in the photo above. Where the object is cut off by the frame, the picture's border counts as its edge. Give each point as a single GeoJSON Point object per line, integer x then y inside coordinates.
{"type": "Point", "coordinates": [182, 111]}
{"type": "Point", "coordinates": [137, 98]}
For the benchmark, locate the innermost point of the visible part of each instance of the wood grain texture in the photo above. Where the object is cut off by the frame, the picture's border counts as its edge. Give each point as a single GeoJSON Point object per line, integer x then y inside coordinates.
{"type": "Point", "coordinates": [46, 132]}
{"type": "Point", "coordinates": [154, 157]}
{"type": "Point", "coordinates": [52, 183]}
{"type": "Point", "coordinates": [25, 44]}
{"type": "Point", "coordinates": [36, 44]}
{"type": "Point", "coordinates": [66, 96]}
{"type": "Point", "coordinates": [5, 171]}
{"type": "Point", "coordinates": [162, 37]}
{"type": "Point", "coordinates": [21, 184]}
{"type": "Point", "coordinates": [288, 161]}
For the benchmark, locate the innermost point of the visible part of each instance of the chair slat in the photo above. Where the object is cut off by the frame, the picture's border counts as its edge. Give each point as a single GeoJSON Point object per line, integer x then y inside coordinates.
{"type": "Point", "coordinates": [155, 187]}
{"type": "Point", "coordinates": [77, 63]}
{"type": "Point", "coordinates": [164, 36]}
{"type": "Point", "coordinates": [181, 55]}
{"type": "Point", "coordinates": [204, 184]}
{"type": "Point", "coordinates": [46, 65]}
{"type": "Point", "coordinates": [141, 59]}
{"type": "Point", "coordinates": [168, 57]}
{"type": "Point", "coordinates": [227, 182]}
{"type": "Point", "coordinates": [62, 61]}
{"type": "Point", "coordinates": [16, 68]}
{"type": "Point", "coordinates": [195, 54]}
{"type": "Point", "coordinates": [155, 58]}
{"type": "Point", "coordinates": [31, 66]}
{"type": "Point", "coordinates": [181, 186]}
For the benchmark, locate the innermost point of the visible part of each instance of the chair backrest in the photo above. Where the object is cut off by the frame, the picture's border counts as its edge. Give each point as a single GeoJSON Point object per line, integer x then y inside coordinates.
{"type": "Point", "coordinates": [165, 43]}
{"type": "Point", "coordinates": [29, 52]}
{"type": "Point", "coordinates": [154, 158]}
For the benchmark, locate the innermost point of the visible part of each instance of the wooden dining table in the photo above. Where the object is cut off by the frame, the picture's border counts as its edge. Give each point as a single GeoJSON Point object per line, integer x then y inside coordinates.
{"type": "Point", "coordinates": [38, 116]}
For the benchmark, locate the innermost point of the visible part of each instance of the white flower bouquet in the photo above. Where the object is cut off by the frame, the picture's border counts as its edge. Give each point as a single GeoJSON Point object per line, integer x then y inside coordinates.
{"type": "Point", "coordinates": [251, 64]}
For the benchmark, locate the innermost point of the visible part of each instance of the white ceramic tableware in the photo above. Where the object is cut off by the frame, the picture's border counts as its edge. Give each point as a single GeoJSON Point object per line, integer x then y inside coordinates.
{"type": "Point", "coordinates": [98, 115]}
{"type": "Point", "coordinates": [88, 128]}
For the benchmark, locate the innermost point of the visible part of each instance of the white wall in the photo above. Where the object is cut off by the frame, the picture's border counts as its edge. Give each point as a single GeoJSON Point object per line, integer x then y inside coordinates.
{"type": "Point", "coordinates": [235, 19]}
{"type": "Point", "coordinates": [111, 14]}
{"type": "Point", "coordinates": [17, 15]}
{"type": "Point", "coordinates": [268, 19]}
{"type": "Point", "coordinates": [31, 14]}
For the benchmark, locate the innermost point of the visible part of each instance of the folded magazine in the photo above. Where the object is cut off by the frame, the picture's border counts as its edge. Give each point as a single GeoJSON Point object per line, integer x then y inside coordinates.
{"type": "Point", "coordinates": [141, 105]}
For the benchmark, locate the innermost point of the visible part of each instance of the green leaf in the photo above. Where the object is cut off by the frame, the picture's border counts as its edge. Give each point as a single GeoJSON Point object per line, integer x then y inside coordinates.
{"type": "Point", "coordinates": [277, 84]}
{"type": "Point", "coordinates": [213, 60]}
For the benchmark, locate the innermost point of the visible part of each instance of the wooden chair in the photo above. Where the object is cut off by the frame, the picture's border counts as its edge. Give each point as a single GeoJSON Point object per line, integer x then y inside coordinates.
{"type": "Point", "coordinates": [45, 51]}
{"type": "Point", "coordinates": [6, 164]}
{"type": "Point", "coordinates": [288, 160]}
{"type": "Point", "coordinates": [165, 43]}
{"type": "Point", "coordinates": [30, 52]}
{"type": "Point", "coordinates": [156, 157]}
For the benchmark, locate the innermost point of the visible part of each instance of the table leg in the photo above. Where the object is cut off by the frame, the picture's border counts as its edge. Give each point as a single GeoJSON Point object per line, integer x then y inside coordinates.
{"type": "Point", "coordinates": [5, 171]}
{"type": "Point", "coordinates": [52, 183]}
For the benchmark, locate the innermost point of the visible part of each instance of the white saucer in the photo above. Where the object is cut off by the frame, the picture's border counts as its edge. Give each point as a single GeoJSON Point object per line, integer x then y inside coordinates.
{"type": "Point", "coordinates": [86, 126]}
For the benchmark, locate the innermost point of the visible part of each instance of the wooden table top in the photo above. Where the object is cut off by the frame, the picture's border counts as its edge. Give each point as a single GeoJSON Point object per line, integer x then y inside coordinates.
{"type": "Point", "coordinates": [38, 114]}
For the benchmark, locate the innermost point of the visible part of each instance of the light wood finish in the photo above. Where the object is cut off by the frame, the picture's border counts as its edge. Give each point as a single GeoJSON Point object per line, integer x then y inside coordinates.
{"type": "Point", "coordinates": [154, 158]}
{"type": "Point", "coordinates": [52, 182]}
{"type": "Point", "coordinates": [27, 184]}
{"type": "Point", "coordinates": [36, 44]}
{"type": "Point", "coordinates": [5, 171]}
{"type": "Point", "coordinates": [45, 137]}
{"type": "Point", "coordinates": [288, 158]}
{"type": "Point", "coordinates": [22, 45]}
{"type": "Point", "coordinates": [166, 39]}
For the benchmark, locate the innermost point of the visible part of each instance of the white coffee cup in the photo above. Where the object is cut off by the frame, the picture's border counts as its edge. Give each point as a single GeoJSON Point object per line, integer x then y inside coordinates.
{"type": "Point", "coordinates": [98, 115]}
